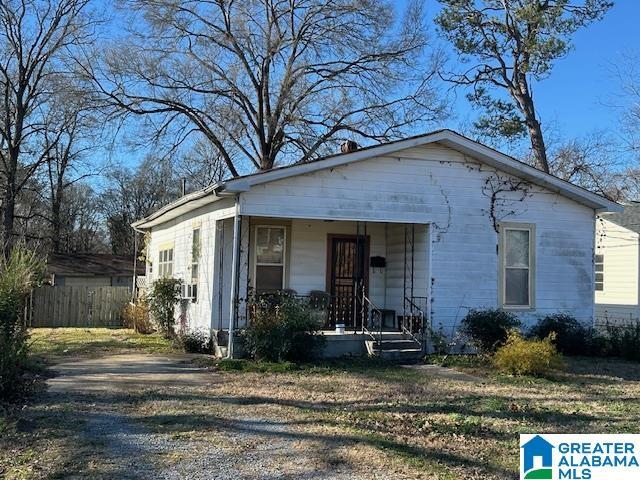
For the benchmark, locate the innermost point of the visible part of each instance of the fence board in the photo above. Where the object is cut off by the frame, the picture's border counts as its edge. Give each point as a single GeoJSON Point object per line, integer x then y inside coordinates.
{"type": "Point", "coordinates": [78, 306]}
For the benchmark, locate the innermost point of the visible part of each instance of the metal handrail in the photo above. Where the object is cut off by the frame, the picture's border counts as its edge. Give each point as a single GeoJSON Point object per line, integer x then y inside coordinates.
{"type": "Point", "coordinates": [369, 306]}
{"type": "Point", "coordinates": [413, 308]}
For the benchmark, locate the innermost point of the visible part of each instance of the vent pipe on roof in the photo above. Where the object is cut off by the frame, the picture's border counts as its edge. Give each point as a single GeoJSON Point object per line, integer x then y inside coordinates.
{"type": "Point", "coordinates": [349, 146]}
{"type": "Point", "coordinates": [183, 187]}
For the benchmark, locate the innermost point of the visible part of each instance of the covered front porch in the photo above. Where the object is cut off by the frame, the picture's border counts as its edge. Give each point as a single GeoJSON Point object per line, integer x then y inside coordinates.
{"type": "Point", "coordinates": [366, 281]}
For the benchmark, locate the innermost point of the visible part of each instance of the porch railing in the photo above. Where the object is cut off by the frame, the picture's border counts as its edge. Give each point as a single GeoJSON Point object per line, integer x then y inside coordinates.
{"type": "Point", "coordinates": [331, 310]}
{"type": "Point", "coordinates": [372, 319]}
{"type": "Point", "coordinates": [414, 321]}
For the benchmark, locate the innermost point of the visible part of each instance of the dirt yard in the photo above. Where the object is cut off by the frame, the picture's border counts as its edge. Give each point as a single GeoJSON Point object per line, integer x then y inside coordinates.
{"type": "Point", "coordinates": [163, 415]}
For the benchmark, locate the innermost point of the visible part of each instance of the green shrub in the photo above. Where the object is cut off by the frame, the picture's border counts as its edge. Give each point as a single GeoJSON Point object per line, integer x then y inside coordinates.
{"type": "Point", "coordinates": [18, 275]}
{"type": "Point", "coordinates": [162, 299]}
{"type": "Point", "coordinates": [195, 341]}
{"type": "Point", "coordinates": [439, 340]}
{"type": "Point", "coordinates": [282, 328]}
{"type": "Point", "coordinates": [488, 329]}
{"type": "Point", "coordinates": [136, 316]}
{"type": "Point", "coordinates": [623, 341]}
{"type": "Point", "coordinates": [572, 338]}
{"type": "Point", "coordinates": [519, 356]}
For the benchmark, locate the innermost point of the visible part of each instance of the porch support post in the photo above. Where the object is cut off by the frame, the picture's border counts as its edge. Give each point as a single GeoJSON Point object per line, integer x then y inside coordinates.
{"type": "Point", "coordinates": [235, 271]}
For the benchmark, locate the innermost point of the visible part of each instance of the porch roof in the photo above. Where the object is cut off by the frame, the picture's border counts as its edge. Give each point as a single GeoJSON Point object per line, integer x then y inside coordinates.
{"type": "Point", "coordinates": [446, 137]}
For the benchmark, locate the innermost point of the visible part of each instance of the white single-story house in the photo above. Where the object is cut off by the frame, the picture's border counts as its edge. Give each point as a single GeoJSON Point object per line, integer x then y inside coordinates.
{"type": "Point", "coordinates": [618, 266]}
{"type": "Point", "coordinates": [423, 228]}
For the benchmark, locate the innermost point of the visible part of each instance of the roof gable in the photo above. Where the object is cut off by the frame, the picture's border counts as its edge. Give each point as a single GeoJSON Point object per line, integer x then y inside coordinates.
{"type": "Point", "coordinates": [447, 138]}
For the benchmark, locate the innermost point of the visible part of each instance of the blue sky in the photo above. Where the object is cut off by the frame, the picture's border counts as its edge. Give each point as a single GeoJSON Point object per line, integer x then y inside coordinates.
{"type": "Point", "coordinates": [575, 96]}
{"type": "Point", "coordinates": [574, 100]}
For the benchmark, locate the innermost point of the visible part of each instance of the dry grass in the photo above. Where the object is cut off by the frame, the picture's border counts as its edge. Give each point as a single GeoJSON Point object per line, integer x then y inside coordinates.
{"type": "Point", "coordinates": [412, 422]}
{"type": "Point", "coordinates": [368, 415]}
{"type": "Point", "coordinates": [55, 344]}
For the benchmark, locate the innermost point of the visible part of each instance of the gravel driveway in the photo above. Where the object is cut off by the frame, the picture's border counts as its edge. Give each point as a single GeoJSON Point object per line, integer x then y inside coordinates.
{"type": "Point", "coordinates": [107, 401]}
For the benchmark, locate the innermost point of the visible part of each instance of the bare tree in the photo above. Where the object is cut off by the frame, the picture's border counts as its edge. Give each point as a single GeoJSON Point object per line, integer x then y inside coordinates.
{"type": "Point", "coordinates": [507, 42]}
{"type": "Point", "coordinates": [201, 166]}
{"type": "Point", "coordinates": [626, 71]}
{"type": "Point", "coordinates": [133, 193]}
{"type": "Point", "coordinates": [271, 80]}
{"type": "Point", "coordinates": [35, 35]}
{"type": "Point", "coordinates": [592, 162]}
{"type": "Point", "coordinates": [70, 135]}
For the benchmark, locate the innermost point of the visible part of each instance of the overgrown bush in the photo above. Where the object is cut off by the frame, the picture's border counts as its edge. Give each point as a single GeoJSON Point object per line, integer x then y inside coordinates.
{"type": "Point", "coordinates": [572, 338]}
{"type": "Point", "coordinates": [197, 341]}
{"type": "Point", "coordinates": [623, 341]}
{"type": "Point", "coordinates": [519, 356]}
{"type": "Point", "coordinates": [282, 328]}
{"type": "Point", "coordinates": [18, 275]}
{"type": "Point", "coordinates": [162, 300]}
{"type": "Point", "coordinates": [136, 316]}
{"type": "Point", "coordinates": [488, 329]}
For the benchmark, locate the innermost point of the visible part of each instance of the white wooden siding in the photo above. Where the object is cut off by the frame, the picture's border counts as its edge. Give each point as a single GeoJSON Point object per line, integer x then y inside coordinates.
{"type": "Point", "coordinates": [179, 232]}
{"type": "Point", "coordinates": [439, 186]}
{"type": "Point", "coordinates": [430, 185]}
{"type": "Point", "coordinates": [618, 301]}
{"type": "Point", "coordinates": [395, 270]}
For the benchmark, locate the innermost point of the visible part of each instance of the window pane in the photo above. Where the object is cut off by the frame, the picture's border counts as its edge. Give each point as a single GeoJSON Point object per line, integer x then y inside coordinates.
{"type": "Point", "coordinates": [516, 286]}
{"type": "Point", "coordinates": [599, 277]}
{"type": "Point", "coordinates": [268, 278]}
{"type": "Point", "coordinates": [517, 253]}
{"type": "Point", "coordinates": [599, 286]}
{"type": "Point", "coordinates": [194, 272]}
{"type": "Point", "coordinates": [170, 255]}
{"type": "Point", "coordinates": [599, 267]}
{"type": "Point", "coordinates": [599, 258]}
{"type": "Point", "coordinates": [270, 245]}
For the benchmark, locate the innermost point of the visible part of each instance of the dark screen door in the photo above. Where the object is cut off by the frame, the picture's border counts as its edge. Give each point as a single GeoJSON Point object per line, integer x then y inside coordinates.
{"type": "Point", "coordinates": [347, 278]}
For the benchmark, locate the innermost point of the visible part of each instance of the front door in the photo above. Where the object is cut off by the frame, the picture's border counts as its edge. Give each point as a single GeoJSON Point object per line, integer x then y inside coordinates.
{"type": "Point", "coordinates": [347, 277]}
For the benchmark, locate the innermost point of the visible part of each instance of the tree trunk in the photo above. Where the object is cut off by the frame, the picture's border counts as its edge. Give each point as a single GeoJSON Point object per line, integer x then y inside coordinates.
{"type": "Point", "coordinates": [55, 222]}
{"type": "Point", "coordinates": [537, 144]}
{"type": "Point", "coordinates": [523, 98]}
{"type": "Point", "coordinates": [8, 217]}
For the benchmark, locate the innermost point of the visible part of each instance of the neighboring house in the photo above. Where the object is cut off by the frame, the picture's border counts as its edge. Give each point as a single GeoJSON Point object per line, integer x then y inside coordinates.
{"type": "Point", "coordinates": [618, 266]}
{"type": "Point", "coordinates": [429, 227]}
{"type": "Point", "coordinates": [91, 270]}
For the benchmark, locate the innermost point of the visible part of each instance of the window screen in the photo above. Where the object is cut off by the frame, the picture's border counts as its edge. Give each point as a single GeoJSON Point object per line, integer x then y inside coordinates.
{"type": "Point", "coordinates": [270, 251]}
{"type": "Point", "coordinates": [517, 274]}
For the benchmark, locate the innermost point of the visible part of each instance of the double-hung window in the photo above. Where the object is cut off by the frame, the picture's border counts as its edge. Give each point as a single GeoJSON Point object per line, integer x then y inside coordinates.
{"type": "Point", "coordinates": [165, 263]}
{"type": "Point", "coordinates": [192, 285]}
{"type": "Point", "coordinates": [599, 272]}
{"type": "Point", "coordinates": [270, 258]}
{"type": "Point", "coordinates": [517, 265]}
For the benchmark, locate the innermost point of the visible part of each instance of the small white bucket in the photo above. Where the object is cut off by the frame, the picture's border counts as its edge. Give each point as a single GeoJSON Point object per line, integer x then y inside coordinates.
{"type": "Point", "coordinates": [339, 327]}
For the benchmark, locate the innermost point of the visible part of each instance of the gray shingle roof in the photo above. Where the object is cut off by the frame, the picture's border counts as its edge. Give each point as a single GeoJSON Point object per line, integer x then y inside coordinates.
{"type": "Point", "coordinates": [629, 218]}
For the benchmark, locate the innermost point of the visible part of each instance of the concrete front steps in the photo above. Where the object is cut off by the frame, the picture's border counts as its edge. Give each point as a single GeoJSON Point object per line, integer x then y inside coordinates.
{"type": "Point", "coordinates": [397, 347]}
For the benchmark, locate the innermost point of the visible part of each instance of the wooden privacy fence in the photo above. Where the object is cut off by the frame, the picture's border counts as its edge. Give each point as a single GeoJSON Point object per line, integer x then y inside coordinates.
{"type": "Point", "coordinates": [78, 306]}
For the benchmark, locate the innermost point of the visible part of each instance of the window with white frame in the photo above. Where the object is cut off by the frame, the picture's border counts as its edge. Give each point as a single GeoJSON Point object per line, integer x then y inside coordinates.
{"type": "Point", "coordinates": [165, 263]}
{"type": "Point", "coordinates": [517, 249]}
{"type": "Point", "coordinates": [599, 272]}
{"type": "Point", "coordinates": [191, 288]}
{"type": "Point", "coordinates": [269, 258]}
